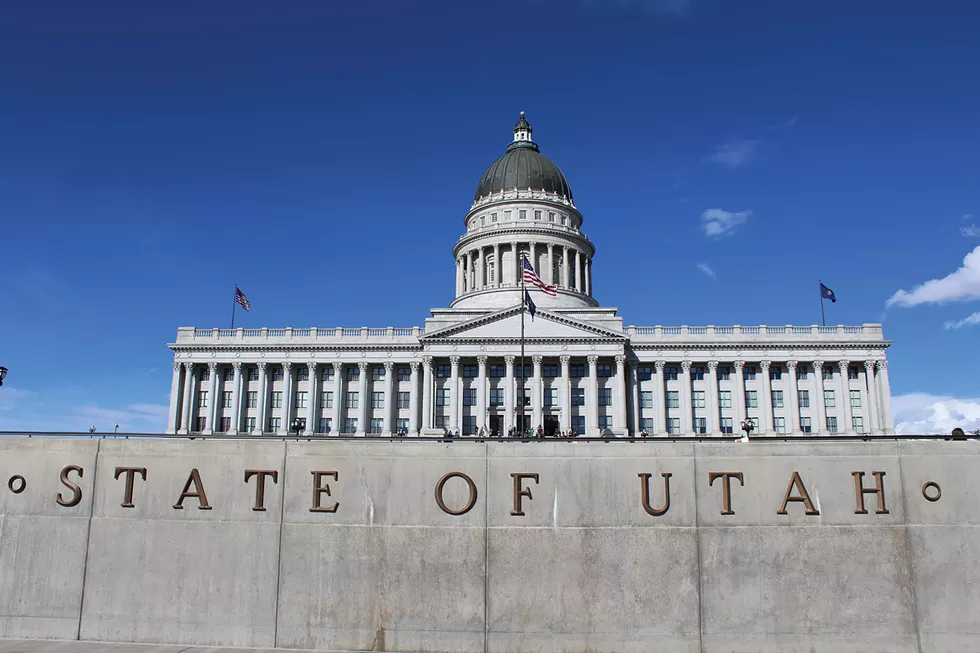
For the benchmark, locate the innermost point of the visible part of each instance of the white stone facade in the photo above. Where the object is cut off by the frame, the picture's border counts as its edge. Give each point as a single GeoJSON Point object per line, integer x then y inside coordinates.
{"type": "Point", "coordinates": [585, 371]}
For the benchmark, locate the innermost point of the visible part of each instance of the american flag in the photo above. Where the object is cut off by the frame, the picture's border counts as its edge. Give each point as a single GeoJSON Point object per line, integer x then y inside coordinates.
{"type": "Point", "coordinates": [531, 277]}
{"type": "Point", "coordinates": [241, 299]}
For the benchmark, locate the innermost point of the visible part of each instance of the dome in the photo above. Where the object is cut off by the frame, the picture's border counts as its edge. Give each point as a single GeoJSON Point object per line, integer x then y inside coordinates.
{"type": "Point", "coordinates": [523, 167]}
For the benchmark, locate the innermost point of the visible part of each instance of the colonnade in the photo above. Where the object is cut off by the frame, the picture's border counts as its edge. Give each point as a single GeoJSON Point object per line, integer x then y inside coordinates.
{"type": "Point", "coordinates": [476, 270]}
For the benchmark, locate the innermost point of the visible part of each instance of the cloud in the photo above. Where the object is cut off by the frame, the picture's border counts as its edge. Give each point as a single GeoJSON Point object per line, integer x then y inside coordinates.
{"type": "Point", "coordinates": [961, 285]}
{"type": "Point", "coordinates": [718, 222]}
{"type": "Point", "coordinates": [736, 154]}
{"type": "Point", "coordinates": [704, 267]}
{"type": "Point", "coordinates": [972, 231]}
{"type": "Point", "coordinates": [967, 321]}
{"type": "Point", "coordinates": [921, 413]}
{"type": "Point", "coordinates": [27, 411]}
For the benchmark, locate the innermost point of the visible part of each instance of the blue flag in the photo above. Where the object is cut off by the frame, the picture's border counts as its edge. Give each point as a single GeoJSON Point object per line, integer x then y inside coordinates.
{"type": "Point", "coordinates": [531, 308]}
{"type": "Point", "coordinates": [827, 293]}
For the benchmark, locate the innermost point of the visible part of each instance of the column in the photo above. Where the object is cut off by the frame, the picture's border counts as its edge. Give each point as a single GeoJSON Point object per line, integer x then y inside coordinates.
{"type": "Point", "coordinates": [687, 407]}
{"type": "Point", "coordinates": [427, 393]}
{"type": "Point", "coordinates": [263, 402]}
{"type": "Point", "coordinates": [287, 397]}
{"type": "Point", "coordinates": [551, 264]}
{"type": "Point", "coordinates": [885, 397]}
{"type": "Point", "coordinates": [338, 398]}
{"type": "Point", "coordinates": [174, 416]}
{"type": "Point", "coordinates": [236, 401]}
{"type": "Point", "coordinates": [413, 400]}
{"type": "Point", "coordinates": [481, 274]}
{"type": "Point", "coordinates": [845, 393]}
{"type": "Point", "coordinates": [510, 397]}
{"type": "Point", "coordinates": [588, 276]}
{"type": "Point", "coordinates": [498, 267]}
{"type": "Point", "coordinates": [660, 400]}
{"type": "Point", "coordinates": [564, 266]}
{"type": "Point", "coordinates": [578, 271]}
{"type": "Point", "coordinates": [517, 264]}
{"type": "Point", "coordinates": [872, 397]}
{"type": "Point", "coordinates": [592, 400]}
{"type": "Point", "coordinates": [185, 419]}
{"type": "Point", "coordinates": [212, 408]}
{"type": "Point", "coordinates": [711, 400]}
{"type": "Point", "coordinates": [768, 425]}
{"type": "Point", "coordinates": [459, 275]}
{"type": "Point", "coordinates": [794, 398]}
{"type": "Point", "coordinates": [390, 412]}
{"type": "Point", "coordinates": [739, 398]}
{"type": "Point", "coordinates": [364, 399]}
{"type": "Point", "coordinates": [619, 414]}
{"type": "Point", "coordinates": [311, 398]}
{"type": "Point", "coordinates": [537, 393]}
{"type": "Point", "coordinates": [818, 403]}
{"type": "Point", "coordinates": [634, 381]}
{"type": "Point", "coordinates": [481, 392]}
{"type": "Point", "coordinates": [454, 421]}
{"type": "Point", "coordinates": [565, 392]}
{"type": "Point", "coordinates": [467, 273]}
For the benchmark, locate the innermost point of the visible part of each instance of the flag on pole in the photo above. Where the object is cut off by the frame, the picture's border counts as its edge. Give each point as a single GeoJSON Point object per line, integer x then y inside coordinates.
{"type": "Point", "coordinates": [531, 277]}
{"type": "Point", "coordinates": [827, 293]}
{"type": "Point", "coordinates": [531, 308]}
{"type": "Point", "coordinates": [241, 299]}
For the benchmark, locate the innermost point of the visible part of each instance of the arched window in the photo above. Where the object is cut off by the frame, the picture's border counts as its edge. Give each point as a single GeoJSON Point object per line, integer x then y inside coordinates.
{"type": "Point", "coordinates": [556, 269]}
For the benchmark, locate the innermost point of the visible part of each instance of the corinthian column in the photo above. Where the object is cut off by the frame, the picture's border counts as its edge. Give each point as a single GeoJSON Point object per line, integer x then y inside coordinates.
{"type": "Point", "coordinates": [510, 398]}
{"type": "Point", "coordinates": [211, 410]}
{"type": "Point", "coordinates": [794, 398]}
{"type": "Point", "coordinates": [845, 397]}
{"type": "Point", "coordinates": [536, 392]}
{"type": "Point", "coordinates": [413, 400]}
{"type": "Point", "coordinates": [714, 408]}
{"type": "Point", "coordinates": [454, 393]}
{"type": "Point", "coordinates": [481, 390]}
{"type": "Point", "coordinates": [287, 397]}
{"type": "Point", "coordinates": [872, 403]}
{"type": "Point", "coordinates": [551, 263]}
{"type": "Point", "coordinates": [389, 411]}
{"type": "Point", "coordinates": [426, 393]}
{"type": "Point", "coordinates": [619, 415]}
{"type": "Point", "coordinates": [660, 400]}
{"type": "Point", "coordinates": [365, 399]}
{"type": "Point", "coordinates": [564, 266]}
{"type": "Point", "coordinates": [498, 267]}
{"type": "Point", "coordinates": [739, 396]}
{"type": "Point", "coordinates": [768, 423]}
{"type": "Point", "coordinates": [592, 427]}
{"type": "Point", "coordinates": [236, 401]}
{"type": "Point", "coordinates": [174, 414]}
{"type": "Point", "coordinates": [263, 397]}
{"type": "Point", "coordinates": [885, 397]}
{"type": "Point", "coordinates": [821, 425]}
{"type": "Point", "coordinates": [566, 393]}
{"type": "Point", "coordinates": [185, 419]}
{"type": "Point", "coordinates": [687, 406]}
{"type": "Point", "coordinates": [311, 398]}
{"type": "Point", "coordinates": [338, 398]}
{"type": "Point", "coordinates": [633, 380]}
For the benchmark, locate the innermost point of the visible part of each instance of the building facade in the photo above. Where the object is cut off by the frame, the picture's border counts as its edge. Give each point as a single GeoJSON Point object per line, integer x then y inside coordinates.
{"type": "Point", "coordinates": [579, 369]}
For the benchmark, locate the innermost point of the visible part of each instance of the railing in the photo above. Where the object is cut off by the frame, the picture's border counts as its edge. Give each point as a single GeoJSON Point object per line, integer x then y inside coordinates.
{"type": "Point", "coordinates": [870, 332]}
{"type": "Point", "coordinates": [311, 334]}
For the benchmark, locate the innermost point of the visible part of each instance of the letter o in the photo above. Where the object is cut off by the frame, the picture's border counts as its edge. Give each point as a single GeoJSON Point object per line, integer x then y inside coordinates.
{"type": "Point", "coordinates": [929, 496]}
{"type": "Point", "coordinates": [20, 487]}
{"type": "Point", "coordinates": [473, 494]}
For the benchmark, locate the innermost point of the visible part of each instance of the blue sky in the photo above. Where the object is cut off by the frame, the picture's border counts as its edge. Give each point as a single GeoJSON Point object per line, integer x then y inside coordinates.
{"type": "Point", "coordinates": [725, 154]}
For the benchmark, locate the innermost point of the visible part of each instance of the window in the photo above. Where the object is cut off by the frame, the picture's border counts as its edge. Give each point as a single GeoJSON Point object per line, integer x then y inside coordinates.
{"type": "Point", "coordinates": [804, 398]}
{"type": "Point", "coordinates": [253, 374]}
{"type": "Point", "coordinates": [644, 373]}
{"type": "Point", "coordinates": [777, 398]}
{"type": "Point", "coordinates": [353, 373]}
{"type": "Point", "coordinates": [376, 424]}
{"type": "Point", "coordinates": [326, 400]}
{"type": "Point", "coordinates": [603, 370]}
{"type": "Point", "coordinates": [250, 425]}
{"type": "Point", "coordinates": [202, 398]}
{"type": "Point", "coordinates": [697, 374]}
{"type": "Point", "coordinates": [802, 372]}
{"type": "Point", "coordinates": [226, 399]}
{"type": "Point", "coordinates": [828, 398]}
{"type": "Point", "coordinates": [674, 425]}
{"type": "Point", "coordinates": [750, 372]}
{"type": "Point", "coordinates": [646, 400]}
{"type": "Point", "coordinates": [755, 424]}
{"type": "Point", "coordinates": [303, 374]}
{"type": "Point", "coordinates": [670, 373]}
{"type": "Point", "coordinates": [523, 397]}
{"type": "Point", "coordinates": [578, 424]}
{"type": "Point", "coordinates": [551, 396]}
{"type": "Point", "coordinates": [832, 424]}
{"type": "Point", "coordinates": [377, 400]}
{"type": "Point", "coordinates": [497, 371]}
{"type": "Point", "coordinates": [496, 396]}
{"type": "Point", "coordinates": [469, 424]}
{"type": "Point", "coordinates": [605, 421]}
{"type": "Point", "coordinates": [469, 371]}
{"type": "Point", "coordinates": [805, 425]}
{"type": "Point", "coordinates": [780, 424]}
{"type": "Point", "coordinates": [551, 216]}
{"type": "Point", "coordinates": [751, 399]}
{"type": "Point", "coordinates": [225, 425]}
{"type": "Point", "coordinates": [469, 396]}
{"type": "Point", "coordinates": [578, 396]}
{"type": "Point", "coordinates": [725, 397]}
{"type": "Point", "coordinates": [507, 216]}
{"type": "Point", "coordinates": [350, 425]}
{"type": "Point", "coordinates": [205, 374]}
{"type": "Point", "coordinates": [701, 425]}
{"type": "Point", "coordinates": [852, 373]}
{"type": "Point", "coordinates": [441, 419]}
{"type": "Point", "coordinates": [549, 371]}
{"type": "Point", "coordinates": [442, 396]}
{"type": "Point", "coordinates": [673, 399]}
{"type": "Point", "coordinates": [401, 424]}
{"type": "Point", "coordinates": [277, 399]}
{"type": "Point", "coordinates": [493, 217]}
{"type": "Point", "coordinates": [564, 219]}
{"type": "Point", "coordinates": [301, 400]}
{"type": "Point", "coordinates": [483, 220]}
{"type": "Point", "coordinates": [605, 396]}
{"type": "Point", "coordinates": [775, 372]}
{"type": "Point", "coordinates": [858, 424]}
{"type": "Point", "coordinates": [325, 425]}
{"type": "Point", "coordinates": [404, 400]}
{"type": "Point", "coordinates": [274, 424]}
{"type": "Point", "coordinates": [443, 371]}
{"type": "Point", "coordinates": [327, 375]}
{"type": "Point", "coordinates": [828, 373]}
{"type": "Point", "coordinates": [726, 425]}
{"type": "Point", "coordinates": [228, 375]}
{"type": "Point", "coordinates": [251, 399]}
{"type": "Point", "coordinates": [350, 401]}
{"type": "Point", "coordinates": [522, 214]}
{"type": "Point", "coordinates": [646, 424]}
{"type": "Point", "coordinates": [855, 398]}
{"type": "Point", "coordinates": [403, 373]}
{"type": "Point", "coordinates": [724, 373]}
{"type": "Point", "coordinates": [576, 370]}
{"type": "Point", "coordinates": [277, 374]}
{"type": "Point", "coordinates": [378, 373]}
{"type": "Point", "coordinates": [697, 399]}
{"type": "Point", "coordinates": [537, 215]}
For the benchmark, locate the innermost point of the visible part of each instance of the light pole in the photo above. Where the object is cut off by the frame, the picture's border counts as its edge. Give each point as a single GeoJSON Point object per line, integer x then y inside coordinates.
{"type": "Point", "coordinates": [296, 425]}
{"type": "Point", "coordinates": [747, 426]}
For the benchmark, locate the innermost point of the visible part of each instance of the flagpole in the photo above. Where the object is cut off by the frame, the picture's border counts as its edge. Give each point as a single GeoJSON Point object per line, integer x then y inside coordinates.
{"type": "Point", "coordinates": [823, 322]}
{"type": "Point", "coordinates": [234, 300]}
{"type": "Point", "coordinates": [523, 369]}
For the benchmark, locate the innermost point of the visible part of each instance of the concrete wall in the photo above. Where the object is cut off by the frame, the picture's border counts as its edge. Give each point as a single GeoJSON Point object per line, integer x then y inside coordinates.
{"type": "Point", "coordinates": [585, 568]}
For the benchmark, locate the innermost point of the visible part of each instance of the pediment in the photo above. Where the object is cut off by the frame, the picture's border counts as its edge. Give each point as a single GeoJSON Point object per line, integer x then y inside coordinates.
{"type": "Point", "coordinates": [506, 324]}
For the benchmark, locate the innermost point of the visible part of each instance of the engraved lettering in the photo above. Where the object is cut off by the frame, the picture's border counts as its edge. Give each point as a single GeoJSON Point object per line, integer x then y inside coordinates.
{"type": "Point", "coordinates": [802, 496]}
{"type": "Point", "coordinates": [19, 481]}
{"type": "Point", "coordinates": [931, 491]}
{"type": "Point", "coordinates": [131, 473]}
{"type": "Point", "coordinates": [521, 492]}
{"type": "Point", "coordinates": [645, 493]}
{"type": "Point", "coordinates": [198, 493]}
{"type": "Point", "coordinates": [76, 492]}
{"type": "Point", "coordinates": [470, 502]}
{"type": "Point", "coordinates": [260, 485]}
{"type": "Point", "coordinates": [726, 488]}
{"type": "Point", "coordinates": [860, 491]}
{"type": "Point", "coordinates": [319, 488]}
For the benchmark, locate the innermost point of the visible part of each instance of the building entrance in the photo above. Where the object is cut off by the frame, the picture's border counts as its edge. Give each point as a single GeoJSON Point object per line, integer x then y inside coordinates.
{"type": "Point", "coordinates": [497, 425]}
{"type": "Point", "coordinates": [550, 426]}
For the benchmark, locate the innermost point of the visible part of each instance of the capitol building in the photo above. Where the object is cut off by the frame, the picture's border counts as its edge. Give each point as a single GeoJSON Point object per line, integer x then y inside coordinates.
{"type": "Point", "coordinates": [582, 369]}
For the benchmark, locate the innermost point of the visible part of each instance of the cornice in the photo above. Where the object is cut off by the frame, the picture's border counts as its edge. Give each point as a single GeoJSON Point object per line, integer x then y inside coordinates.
{"type": "Point", "coordinates": [444, 333]}
{"type": "Point", "coordinates": [494, 233]}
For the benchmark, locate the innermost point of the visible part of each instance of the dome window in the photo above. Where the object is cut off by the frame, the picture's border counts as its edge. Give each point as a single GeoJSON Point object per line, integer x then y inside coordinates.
{"type": "Point", "coordinates": [493, 217]}
{"type": "Point", "coordinates": [537, 215]}
{"type": "Point", "coordinates": [506, 216]}
{"type": "Point", "coordinates": [523, 214]}
{"type": "Point", "coordinates": [483, 220]}
{"type": "Point", "coordinates": [551, 216]}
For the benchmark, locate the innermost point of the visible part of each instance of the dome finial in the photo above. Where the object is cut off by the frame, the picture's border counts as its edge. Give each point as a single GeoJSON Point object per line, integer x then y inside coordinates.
{"type": "Point", "coordinates": [522, 130]}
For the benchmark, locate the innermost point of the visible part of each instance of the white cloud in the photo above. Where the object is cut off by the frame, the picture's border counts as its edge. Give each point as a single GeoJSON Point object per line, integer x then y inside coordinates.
{"type": "Point", "coordinates": [718, 222]}
{"type": "Point", "coordinates": [967, 321]}
{"type": "Point", "coordinates": [26, 410]}
{"type": "Point", "coordinates": [970, 232]}
{"type": "Point", "coordinates": [961, 285]}
{"type": "Point", "coordinates": [704, 267]}
{"type": "Point", "coordinates": [920, 413]}
{"type": "Point", "coordinates": [735, 154]}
